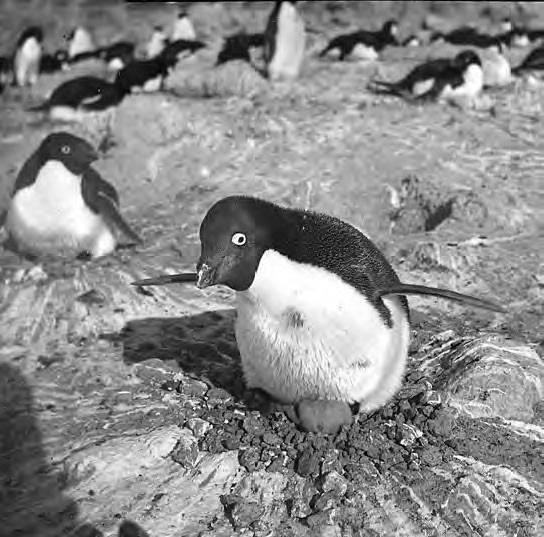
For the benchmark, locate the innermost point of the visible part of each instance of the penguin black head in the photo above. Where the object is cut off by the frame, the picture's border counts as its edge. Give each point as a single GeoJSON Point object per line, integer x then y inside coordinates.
{"type": "Point", "coordinates": [390, 28]}
{"type": "Point", "coordinates": [74, 152]}
{"type": "Point", "coordinates": [32, 32]}
{"type": "Point", "coordinates": [466, 58]}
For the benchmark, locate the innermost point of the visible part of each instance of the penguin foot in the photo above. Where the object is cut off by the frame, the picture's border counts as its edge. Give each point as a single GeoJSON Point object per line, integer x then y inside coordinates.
{"type": "Point", "coordinates": [323, 416]}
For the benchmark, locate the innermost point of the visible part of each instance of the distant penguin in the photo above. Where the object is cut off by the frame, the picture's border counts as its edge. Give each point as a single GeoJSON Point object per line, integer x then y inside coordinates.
{"type": "Point", "coordinates": [321, 314]}
{"type": "Point", "coordinates": [412, 41]}
{"type": "Point", "coordinates": [176, 50]}
{"type": "Point", "coordinates": [52, 63]}
{"type": "Point", "coordinates": [80, 42]}
{"type": "Point", "coordinates": [117, 55]}
{"type": "Point", "coordinates": [61, 206]}
{"type": "Point", "coordinates": [145, 75]}
{"type": "Point", "coordinates": [534, 61]}
{"type": "Point", "coordinates": [28, 54]}
{"type": "Point", "coordinates": [6, 72]}
{"type": "Point", "coordinates": [495, 66]}
{"type": "Point", "coordinates": [183, 28]}
{"type": "Point", "coordinates": [75, 99]}
{"type": "Point", "coordinates": [458, 80]}
{"type": "Point", "coordinates": [238, 47]}
{"type": "Point", "coordinates": [156, 42]}
{"type": "Point", "coordinates": [363, 44]}
{"type": "Point", "coordinates": [284, 41]}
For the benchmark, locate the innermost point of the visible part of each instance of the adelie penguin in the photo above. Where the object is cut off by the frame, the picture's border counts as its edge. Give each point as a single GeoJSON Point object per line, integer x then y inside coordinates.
{"type": "Point", "coordinates": [80, 43]}
{"type": "Point", "coordinates": [156, 42]}
{"type": "Point", "coordinates": [27, 57]}
{"type": "Point", "coordinates": [75, 99]}
{"type": "Point", "coordinates": [439, 79]}
{"type": "Point", "coordinates": [238, 47]}
{"type": "Point", "coordinates": [363, 44]}
{"type": "Point", "coordinates": [322, 320]}
{"type": "Point", "coordinates": [534, 61]}
{"type": "Point", "coordinates": [284, 42]}
{"type": "Point", "coordinates": [183, 28]}
{"type": "Point", "coordinates": [61, 206]}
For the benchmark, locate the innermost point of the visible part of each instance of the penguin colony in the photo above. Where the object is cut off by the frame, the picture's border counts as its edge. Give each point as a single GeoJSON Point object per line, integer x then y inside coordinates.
{"type": "Point", "coordinates": [324, 358]}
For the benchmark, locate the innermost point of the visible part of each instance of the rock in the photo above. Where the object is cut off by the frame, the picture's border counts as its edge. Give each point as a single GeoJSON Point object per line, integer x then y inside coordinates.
{"type": "Point", "coordinates": [334, 482]}
{"type": "Point", "coordinates": [307, 463]}
{"type": "Point", "coordinates": [217, 396]}
{"type": "Point", "coordinates": [299, 503]}
{"type": "Point", "coordinates": [323, 416]}
{"type": "Point", "coordinates": [193, 388]}
{"type": "Point", "coordinates": [186, 450]}
{"type": "Point", "coordinates": [249, 458]}
{"type": "Point", "coordinates": [253, 424]}
{"type": "Point", "coordinates": [154, 371]}
{"type": "Point", "coordinates": [198, 426]}
{"type": "Point", "coordinates": [240, 511]}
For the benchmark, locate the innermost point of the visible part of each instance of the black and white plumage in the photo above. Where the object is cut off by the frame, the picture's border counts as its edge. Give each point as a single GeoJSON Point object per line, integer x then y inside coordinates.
{"type": "Point", "coordinates": [175, 50]}
{"type": "Point", "coordinates": [156, 43]}
{"type": "Point", "coordinates": [6, 72]}
{"type": "Point", "coordinates": [51, 63]}
{"type": "Point", "coordinates": [441, 78]}
{"type": "Point", "coordinates": [72, 100]}
{"type": "Point", "coordinates": [238, 47]}
{"type": "Point", "coordinates": [183, 28]}
{"type": "Point", "coordinates": [80, 44]}
{"type": "Point", "coordinates": [321, 312]}
{"type": "Point", "coordinates": [61, 206]}
{"type": "Point", "coordinates": [363, 44]}
{"type": "Point", "coordinates": [27, 57]}
{"type": "Point", "coordinates": [534, 61]}
{"type": "Point", "coordinates": [117, 55]}
{"type": "Point", "coordinates": [284, 41]}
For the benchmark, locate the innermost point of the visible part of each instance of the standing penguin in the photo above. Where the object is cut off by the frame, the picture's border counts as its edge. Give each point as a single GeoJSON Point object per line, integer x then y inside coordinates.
{"type": "Point", "coordinates": [183, 28]}
{"type": "Point", "coordinates": [321, 312]}
{"type": "Point", "coordinates": [284, 41]}
{"type": "Point", "coordinates": [61, 206]}
{"type": "Point", "coordinates": [80, 42]}
{"type": "Point", "coordinates": [156, 42]}
{"type": "Point", "coordinates": [28, 54]}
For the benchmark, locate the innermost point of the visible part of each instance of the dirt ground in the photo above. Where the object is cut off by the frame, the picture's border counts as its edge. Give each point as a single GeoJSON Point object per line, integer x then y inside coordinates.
{"type": "Point", "coordinates": [124, 412]}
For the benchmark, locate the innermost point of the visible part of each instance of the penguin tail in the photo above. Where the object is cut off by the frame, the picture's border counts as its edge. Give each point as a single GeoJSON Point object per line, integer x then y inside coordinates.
{"type": "Point", "coordinates": [381, 87]}
{"type": "Point", "coordinates": [408, 289]}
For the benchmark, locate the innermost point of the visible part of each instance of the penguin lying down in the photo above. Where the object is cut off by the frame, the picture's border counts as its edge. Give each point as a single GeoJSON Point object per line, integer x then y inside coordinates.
{"type": "Point", "coordinates": [61, 206]}
{"type": "Point", "coordinates": [323, 321]}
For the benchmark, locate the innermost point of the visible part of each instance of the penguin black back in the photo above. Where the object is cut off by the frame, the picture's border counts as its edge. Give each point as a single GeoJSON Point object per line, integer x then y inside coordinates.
{"type": "Point", "coordinates": [31, 32]}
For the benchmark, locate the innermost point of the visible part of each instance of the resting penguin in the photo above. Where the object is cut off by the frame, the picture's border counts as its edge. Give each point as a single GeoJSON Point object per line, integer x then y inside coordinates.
{"type": "Point", "coordinates": [61, 206]}
{"type": "Point", "coordinates": [322, 315]}
{"type": "Point", "coordinates": [28, 54]}
{"type": "Point", "coordinates": [75, 99]}
{"type": "Point", "coordinates": [284, 41]}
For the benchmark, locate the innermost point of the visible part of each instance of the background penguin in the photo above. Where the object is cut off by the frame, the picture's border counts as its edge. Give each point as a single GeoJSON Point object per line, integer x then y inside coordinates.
{"type": "Point", "coordinates": [363, 44]}
{"type": "Point", "coordinates": [238, 47]}
{"type": "Point", "coordinates": [175, 50]}
{"type": "Point", "coordinates": [117, 55]}
{"type": "Point", "coordinates": [496, 68]}
{"type": "Point", "coordinates": [73, 99]}
{"type": "Point", "coordinates": [284, 41]}
{"type": "Point", "coordinates": [28, 54]}
{"type": "Point", "coordinates": [534, 61]}
{"type": "Point", "coordinates": [183, 28]}
{"type": "Point", "coordinates": [61, 206]}
{"type": "Point", "coordinates": [80, 42]}
{"type": "Point", "coordinates": [156, 42]}
{"type": "Point", "coordinates": [321, 312]}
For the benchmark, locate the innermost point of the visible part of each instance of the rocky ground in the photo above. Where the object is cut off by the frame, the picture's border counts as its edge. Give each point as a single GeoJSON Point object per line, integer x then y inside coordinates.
{"type": "Point", "coordinates": [124, 411]}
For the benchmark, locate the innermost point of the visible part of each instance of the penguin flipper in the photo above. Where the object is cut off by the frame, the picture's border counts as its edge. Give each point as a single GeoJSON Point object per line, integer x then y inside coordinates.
{"type": "Point", "coordinates": [103, 199]}
{"type": "Point", "coordinates": [408, 289]}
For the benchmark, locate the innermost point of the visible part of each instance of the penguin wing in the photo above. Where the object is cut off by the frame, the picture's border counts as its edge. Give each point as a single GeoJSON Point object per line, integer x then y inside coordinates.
{"type": "Point", "coordinates": [27, 174]}
{"type": "Point", "coordinates": [103, 199]}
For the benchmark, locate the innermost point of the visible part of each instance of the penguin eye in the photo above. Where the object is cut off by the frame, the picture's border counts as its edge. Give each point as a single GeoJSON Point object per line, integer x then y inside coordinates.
{"type": "Point", "coordinates": [65, 149]}
{"type": "Point", "coordinates": [239, 239]}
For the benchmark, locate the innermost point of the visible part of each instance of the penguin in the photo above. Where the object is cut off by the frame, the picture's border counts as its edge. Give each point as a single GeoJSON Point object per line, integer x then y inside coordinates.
{"type": "Point", "coordinates": [363, 44]}
{"type": "Point", "coordinates": [534, 61]}
{"type": "Point", "coordinates": [74, 99]}
{"type": "Point", "coordinates": [412, 41]}
{"type": "Point", "coordinates": [61, 206]}
{"type": "Point", "coordinates": [51, 63]}
{"type": "Point", "coordinates": [284, 41]}
{"type": "Point", "coordinates": [28, 54]}
{"type": "Point", "coordinates": [439, 80]}
{"type": "Point", "coordinates": [80, 42]}
{"type": "Point", "coordinates": [467, 36]}
{"type": "Point", "coordinates": [175, 50]}
{"type": "Point", "coordinates": [322, 315]}
{"type": "Point", "coordinates": [496, 68]}
{"type": "Point", "coordinates": [156, 42]}
{"type": "Point", "coordinates": [518, 37]}
{"type": "Point", "coordinates": [183, 28]}
{"type": "Point", "coordinates": [145, 75]}
{"type": "Point", "coordinates": [6, 72]}
{"type": "Point", "coordinates": [238, 46]}
{"type": "Point", "coordinates": [117, 55]}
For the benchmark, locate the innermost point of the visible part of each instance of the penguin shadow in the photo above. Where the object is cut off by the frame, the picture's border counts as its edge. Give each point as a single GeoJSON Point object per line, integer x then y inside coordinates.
{"type": "Point", "coordinates": [32, 501]}
{"type": "Point", "coordinates": [203, 346]}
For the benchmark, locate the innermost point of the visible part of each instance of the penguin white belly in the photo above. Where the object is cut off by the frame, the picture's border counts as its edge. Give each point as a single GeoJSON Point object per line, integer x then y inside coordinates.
{"type": "Point", "coordinates": [50, 216]}
{"type": "Point", "coordinates": [153, 84]}
{"type": "Point", "coordinates": [290, 41]}
{"type": "Point", "coordinates": [422, 86]}
{"type": "Point", "coordinates": [81, 42]}
{"type": "Point", "coordinates": [27, 62]}
{"type": "Point", "coordinates": [183, 29]}
{"type": "Point", "coordinates": [497, 71]}
{"type": "Point", "coordinates": [472, 85]}
{"type": "Point", "coordinates": [303, 332]}
{"type": "Point", "coordinates": [156, 45]}
{"type": "Point", "coordinates": [362, 52]}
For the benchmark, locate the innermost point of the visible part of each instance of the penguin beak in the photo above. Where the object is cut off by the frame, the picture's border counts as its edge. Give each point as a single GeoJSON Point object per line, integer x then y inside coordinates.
{"type": "Point", "coordinates": [206, 276]}
{"type": "Point", "coordinates": [185, 277]}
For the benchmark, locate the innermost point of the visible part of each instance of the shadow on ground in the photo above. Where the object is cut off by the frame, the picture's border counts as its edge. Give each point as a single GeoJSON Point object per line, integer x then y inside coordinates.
{"type": "Point", "coordinates": [203, 346]}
